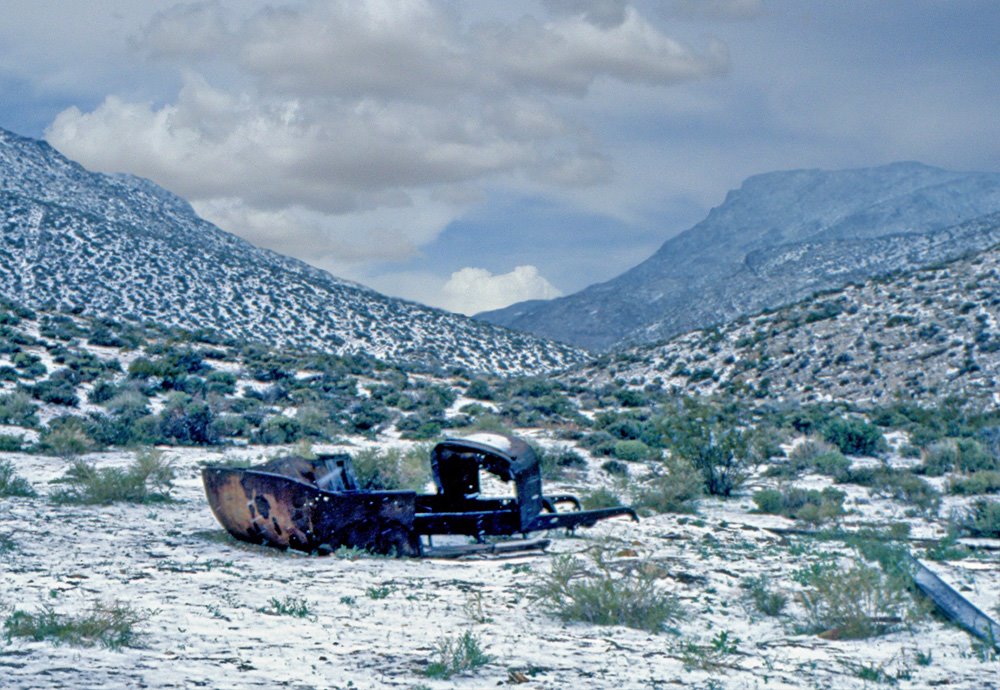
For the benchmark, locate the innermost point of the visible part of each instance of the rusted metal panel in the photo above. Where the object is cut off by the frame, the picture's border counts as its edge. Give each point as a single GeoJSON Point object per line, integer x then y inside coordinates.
{"type": "Point", "coordinates": [276, 510]}
{"type": "Point", "coordinates": [314, 504]}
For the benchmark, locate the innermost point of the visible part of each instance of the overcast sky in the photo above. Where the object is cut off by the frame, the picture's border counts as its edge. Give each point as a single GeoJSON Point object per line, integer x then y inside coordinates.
{"type": "Point", "coordinates": [472, 154]}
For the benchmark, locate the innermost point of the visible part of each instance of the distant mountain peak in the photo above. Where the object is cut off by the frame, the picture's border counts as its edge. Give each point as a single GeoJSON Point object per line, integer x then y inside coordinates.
{"type": "Point", "coordinates": [834, 218]}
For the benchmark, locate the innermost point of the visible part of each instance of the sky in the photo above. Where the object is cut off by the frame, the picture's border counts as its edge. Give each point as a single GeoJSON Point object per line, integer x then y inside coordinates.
{"type": "Point", "coordinates": [469, 155]}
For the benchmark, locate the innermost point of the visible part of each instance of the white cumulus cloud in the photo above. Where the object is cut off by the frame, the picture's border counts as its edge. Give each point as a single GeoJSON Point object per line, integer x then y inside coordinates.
{"type": "Point", "coordinates": [472, 290]}
{"type": "Point", "coordinates": [349, 130]}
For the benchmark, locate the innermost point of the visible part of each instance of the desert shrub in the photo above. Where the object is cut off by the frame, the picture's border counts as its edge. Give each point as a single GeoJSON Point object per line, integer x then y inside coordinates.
{"type": "Point", "coordinates": [220, 383]}
{"type": "Point", "coordinates": [856, 602]}
{"type": "Point", "coordinates": [456, 655]}
{"type": "Point", "coordinates": [368, 416]}
{"type": "Point", "coordinates": [714, 440]}
{"type": "Point", "coordinates": [939, 457]}
{"type": "Point", "coordinates": [392, 469]}
{"type": "Point", "coordinates": [982, 519]}
{"type": "Point", "coordinates": [147, 480]}
{"type": "Point", "coordinates": [606, 594]}
{"type": "Point", "coordinates": [615, 468]}
{"type": "Point", "coordinates": [11, 444]}
{"type": "Point", "coordinates": [985, 482]}
{"type": "Point", "coordinates": [419, 427]}
{"type": "Point", "coordinates": [110, 625]}
{"type": "Point", "coordinates": [815, 455]}
{"type": "Point", "coordinates": [279, 429]}
{"type": "Point", "coordinates": [724, 460]}
{"type": "Point", "coordinates": [17, 409]}
{"type": "Point", "coordinates": [855, 436]}
{"type": "Point", "coordinates": [479, 390]}
{"type": "Point", "coordinates": [58, 389]}
{"type": "Point", "coordinates": [66, 437]}
{"type": "Point", "coordinates": [962, 454]}
{"type": "Point", "coordinates": [599, 443]}
{"type": "Point", "coordinates": [633, 451]}
{"type": "Point", "coordinates": [763, 597]}
{"type": "Point", "coordinates": [186, 421]}
{"type": "Point", "coordinates": [601, 497]}
{"type": "Point", "coordinates": [555, 461]}
{"type": "Point", "coordinates": [898, 484]}
{"type": "Point", "coordinates": [676, 488]}
{"type": "Point", "coordinates": [11, 484]}
{"type": "Point", "coordinates": [808, 505]}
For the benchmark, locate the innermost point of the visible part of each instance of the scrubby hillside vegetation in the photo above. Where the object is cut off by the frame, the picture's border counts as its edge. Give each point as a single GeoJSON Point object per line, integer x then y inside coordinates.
{"type": "Point", "coordinates": [916, 337]}
{"type": "Point", "coordinates": [771, 545]}
{"type": "Point", "coordinates": [120, 247]}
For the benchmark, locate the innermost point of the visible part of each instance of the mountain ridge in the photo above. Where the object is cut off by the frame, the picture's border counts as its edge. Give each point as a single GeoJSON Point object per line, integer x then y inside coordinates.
{"type": "Point", "coordinates": [666, 294]}
{"type": "Point", "coordinates": [929, 333]}
{"type": "Point", "coordinates": [119, 246]}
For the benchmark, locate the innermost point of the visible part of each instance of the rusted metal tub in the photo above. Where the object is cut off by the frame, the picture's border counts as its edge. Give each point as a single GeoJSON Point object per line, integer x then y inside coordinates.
{"type": "Point", "coordinates": [315, 505]}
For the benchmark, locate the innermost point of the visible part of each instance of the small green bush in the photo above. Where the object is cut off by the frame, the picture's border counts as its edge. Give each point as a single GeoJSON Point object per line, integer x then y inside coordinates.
{"type": "Point", "coordinates": [147, 480]}
{"type": "Point", "coordinates": [899, 484]}
{"type": "Point", "coordinates": [555, 461]}
{"type": "Point", "coordinates": [853, 603]}
{"type": "Point", "coordinates": [855, 437]}
{"type": "Point", "coordinates": [982, 519]}
{"type": "Point", "coordinates": [808, 505]}
{"type": "Point", "coordinates": [676, 489]}
{"type": "Point", "coordinates": [392, 469]}
{"type": "Point", "coordinates": [939, 457]}
{"type": "Point", "coordinates": [602, 497]}
{"type": "Point", "coordinates": [723, 456]}
{"type": "Point", "coordinates": [11, 484]}
{"type": "Point", "coordinates": [110, 625]}
{"type": "Point", "coordinates": [763, 597]}
{"type": "Point", "coordinates": [633, 451]}
{"type": "Point", "coordinates": [962, 454]}
{"type": "Point", "coordinates": [289, 606]}
{"type": "Point", "coordinates": [18, 409]}
{"type": "Point", "coordinates": [616, 468]}
{"type": "Point", "coordinates": [607, 594]}
{"type": "Point", "coordinates": [815, 455]}
{"type": "Point", "coordinates": [66, 437]}
{"type": "Point", "coordinates": [985, 482]}
{"type": "Point", "coordinates": [456, 655]}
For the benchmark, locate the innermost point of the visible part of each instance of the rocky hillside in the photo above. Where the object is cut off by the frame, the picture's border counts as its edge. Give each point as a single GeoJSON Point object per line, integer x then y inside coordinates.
{"type": "Point", "coordinates": [776, 239]}
{"type": "Point", "coordinates": [922, 335]}
{"type": "Point", "coordinates": [120, 247]}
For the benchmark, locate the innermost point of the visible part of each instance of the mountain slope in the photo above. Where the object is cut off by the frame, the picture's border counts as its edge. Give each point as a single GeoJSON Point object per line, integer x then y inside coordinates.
{"type": "Point", "coordinates": [921, 335]}
{"type": "Point", "coordinates": [811, 229]}
{"type": "Point", "coordinates": [121, 247]}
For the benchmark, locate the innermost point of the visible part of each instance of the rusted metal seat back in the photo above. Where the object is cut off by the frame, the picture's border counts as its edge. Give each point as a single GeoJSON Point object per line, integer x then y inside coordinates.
{"type": "Point", "coordinates": [456, 464]}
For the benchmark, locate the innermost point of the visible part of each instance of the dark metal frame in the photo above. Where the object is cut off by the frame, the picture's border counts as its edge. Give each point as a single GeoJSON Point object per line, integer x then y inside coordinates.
{"type": "Point", "coordinates": [315, 504]}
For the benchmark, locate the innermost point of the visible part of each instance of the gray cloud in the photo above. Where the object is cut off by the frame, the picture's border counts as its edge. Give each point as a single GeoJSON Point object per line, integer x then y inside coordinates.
{"type": "Point", "coordinates": [198, 28]}
{"type": "Point", "coordinates": [719, 10]}
{"type": "Point", "coordinates": [348, 124]}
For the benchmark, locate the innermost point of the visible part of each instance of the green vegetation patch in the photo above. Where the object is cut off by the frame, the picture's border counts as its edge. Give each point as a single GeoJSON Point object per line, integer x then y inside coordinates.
{"type": "Point", "coordinates": [147, 480]}
{"type": "Point", "coordinates": [853, 602]}
{"type": "Point", "coordinates": [11, 484]}
{"type": "Point", "coordinates": [109, 625]}
{"type": "Point", "coordinates": [455, 655]}
{"type": "Point", "coordinates": [808, 505]}
{"type": "Point", "coordinates": [607, 593]}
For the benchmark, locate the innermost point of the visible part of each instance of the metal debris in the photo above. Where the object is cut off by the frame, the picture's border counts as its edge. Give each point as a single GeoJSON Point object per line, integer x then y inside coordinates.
{"type": "Point", "coordinates": [315, 505]}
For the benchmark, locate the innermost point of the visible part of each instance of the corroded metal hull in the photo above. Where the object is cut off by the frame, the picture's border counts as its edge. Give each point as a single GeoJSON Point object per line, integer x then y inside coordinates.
{"type": "Point", "coordinates": [277, 510]}
{"type": "Point", "coordinates": [315, 504]}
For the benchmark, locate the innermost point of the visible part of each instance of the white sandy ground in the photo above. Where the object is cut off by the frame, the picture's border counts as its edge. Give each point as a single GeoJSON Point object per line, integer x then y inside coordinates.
{"type": "Point", "coordinates": [204, 593]}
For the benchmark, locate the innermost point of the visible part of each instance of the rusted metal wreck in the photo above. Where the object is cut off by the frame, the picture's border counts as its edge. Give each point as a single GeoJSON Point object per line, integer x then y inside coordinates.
{"type": "Point", "coordinates": [315, 505]}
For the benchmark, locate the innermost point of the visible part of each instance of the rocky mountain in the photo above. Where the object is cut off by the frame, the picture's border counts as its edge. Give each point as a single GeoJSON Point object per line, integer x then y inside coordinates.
{"type": "Point", "coordinates": [923, 335]}
{"type": "Point", "coordinates": [777, 238]}
{"type": "Point", "coordinates": [121, 247]}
